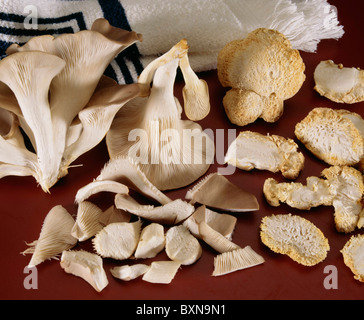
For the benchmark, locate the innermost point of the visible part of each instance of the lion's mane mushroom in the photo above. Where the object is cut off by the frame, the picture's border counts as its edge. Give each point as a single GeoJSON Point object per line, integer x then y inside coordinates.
{"type": "Point", "coordinates": [263, 70]}
{"type": "Point", "coordinates": [60, 102]}
{"type": "Point", "coordinates": [171, 152]}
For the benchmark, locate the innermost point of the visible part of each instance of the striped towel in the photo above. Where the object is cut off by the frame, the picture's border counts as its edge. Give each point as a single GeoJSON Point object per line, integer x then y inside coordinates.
{"type": "Point", "coordinates": [206, 24]}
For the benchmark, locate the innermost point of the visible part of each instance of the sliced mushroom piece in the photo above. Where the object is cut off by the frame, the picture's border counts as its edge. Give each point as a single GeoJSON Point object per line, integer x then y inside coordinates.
{"type": "Point", "coordinates": [162, 272]}
{"type": "Point", "coordinates": [125, 171]}
{"type": "Point", "coordinates": [215, 239]}
{"type": "Point", "coordinates": [54, 238]}
{"type": "Point", "coordinates": [152, 241]}
{"type": "Point", "coordinates": [171, 213]}
{"type": "Point", "coordinates": [218, 192]}
{"type": "Point", "coordinates": [353, 254]}
{"type": "Point", "coordinates": [222, 223]}
{"type": "Point", "coordinates": [87, 266]}
{"type": "Point", "coordinates": [118, 240]}
{"type": "Point", "coordinates": [265, 152]}
{"type": "Point", "coordinates": [339, 83]}
{"type": "Point", "coordinates": [127, 273]}
{"type": "Point", "coordinates": [235, 260]}
{"type": "Point", "coordinates": [100, 186]}
{"type": "Point", "coordinates": [182, 246]}
{"type": "Point", "coordinates": [112, 214]}
{"type": "Point", "coordinates": [87, 221]}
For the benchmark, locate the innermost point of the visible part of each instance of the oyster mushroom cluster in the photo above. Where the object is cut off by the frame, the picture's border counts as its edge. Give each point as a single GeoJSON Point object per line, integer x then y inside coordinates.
{"type": "Point", "coordinates": [53, 89]}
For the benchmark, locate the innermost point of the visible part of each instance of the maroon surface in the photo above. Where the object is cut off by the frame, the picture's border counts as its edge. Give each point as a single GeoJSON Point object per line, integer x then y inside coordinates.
{"type": "Point", "coordinates": [24, 206]}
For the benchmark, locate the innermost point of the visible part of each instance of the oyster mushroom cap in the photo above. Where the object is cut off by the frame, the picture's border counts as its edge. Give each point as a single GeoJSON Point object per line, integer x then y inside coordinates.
{"type": "Point", "coordinates": [152, 241]}
{"type": "Point", "coordinates": [162, 272]}
{"type": "Point", "coordinates": [127, 273]}
{"type": "Point", "coordinates": [339, 83]}
{"type": "Point", "coordinates": [353, 256]}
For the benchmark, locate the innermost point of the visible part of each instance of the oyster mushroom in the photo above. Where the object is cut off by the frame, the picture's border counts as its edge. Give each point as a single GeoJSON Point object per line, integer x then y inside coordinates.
{"type": "Point", "coordinates": [338, 83]}
{"type": "Point", "coordinates": [53, 80]}
{"type": "Point", "coordinates": [263, 70]}
{"type": "Point", "coordinates": [162, 272]}
{"type": "Point", "coordinates": [127, 273]}
{"type": "Point", "coordinates": [353, 256]}
{"type": "Point", "coordinates": [218, 192]}
{"type": "Point", "coordinates": [85, 265]}
{"type": "Point", "coordinates": [171, 152]}
{"type": "Point", "coordinates": [151, 242]}
{"type": "Point", "coordinates": [54, 237]}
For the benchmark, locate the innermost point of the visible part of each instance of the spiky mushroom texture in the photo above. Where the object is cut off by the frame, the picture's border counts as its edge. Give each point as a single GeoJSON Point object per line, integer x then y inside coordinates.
{"type": "Point", "coordinates": [51, 85]}
{"type": "Point", "coordinates": [171, 152]}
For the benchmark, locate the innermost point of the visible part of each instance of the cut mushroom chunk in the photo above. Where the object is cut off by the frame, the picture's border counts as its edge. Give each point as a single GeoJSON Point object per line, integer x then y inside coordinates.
{"type": "Point", "coordinates": [353, 254]}
{"type": "Point", "coordinates": [339, 83]}
{"type": "Point", "coordinates": [54, 237]}
{"type": "Point", "coordinates": [112, 214]}
{"type": "Point", "coordinates": [296, 237]}
{"type": "Point", "coordinates": [218, 192]}
{"type": "Point", "coordinates": [162, 272]}
{"type": "Point", "coordinates": [117, 240]}
{"type": "Point", "coordinates": [271, 152]}
{"type": "Point", "coordinates": [127, 273]}
{"type": "Point", "coordinates": [87, 266]}
{"type": "Point", "coordinates": [235, 260]}
{"type": "Point", "coordinates": [151, 242]}
{"type": "Point", "coordinates": [171, 213]}
{"type": "Point", "coordinates": [182, 246]}
{"type": "Point", "coordinates": [222, 223]}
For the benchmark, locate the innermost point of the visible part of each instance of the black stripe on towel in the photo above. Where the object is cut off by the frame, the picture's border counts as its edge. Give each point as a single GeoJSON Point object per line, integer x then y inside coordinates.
{"type": "Point", "coordinates": [115, 14]}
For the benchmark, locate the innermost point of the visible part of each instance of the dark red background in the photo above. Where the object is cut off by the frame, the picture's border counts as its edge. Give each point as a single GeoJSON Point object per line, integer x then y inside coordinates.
{"type": "Point", "coordinates": [24, 206]}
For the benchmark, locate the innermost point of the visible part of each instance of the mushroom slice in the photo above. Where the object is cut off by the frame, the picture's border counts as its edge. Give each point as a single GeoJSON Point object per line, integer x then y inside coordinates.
{"type": "Point", "coordinates": [338, 83]}
{"type": "Point", "coordinates": [353, 254]}
{"type": "Point", "coordinates": [127, 273]}
{"type": "Point", "coordinates": [87, 221]}
{"type": "Point", "coordinates": [271, 152]}
{"type": "Point", "coordinates": [54, 237]}
{"type": "Point", "coordinates": [215, 239]}
{"type": "Point", "coordinates": [334, 136]}
{"type": "Point", "coordinates": [182, 246]}
{"type": "Point", "coordinates": [87, 266]}
{"type": "Point", "coordinates": [112, 214]}
{"type": "Point", "coordinates": [100, 186]}
{"type": "Point", "coordinates": [124, 170]}
{"type": "Point", "coordinates": [218, 192]}
{"type": "Point", "coordinates": [195, 92]}
{"type": "Point", "coordinates": [235, 260]}
{"type": "Point", "coordinates": [117, 240]}
{"type": "Point", "coordinates": [171, 213]}
{"type": "Point", "coordinates": [151, 242]}
{"type": "Point", "coordinates": [162, 272]}
{"type": "Point", "coordinates": [222, 223]}
{"type": "Point", "coordinates": [296, 237]}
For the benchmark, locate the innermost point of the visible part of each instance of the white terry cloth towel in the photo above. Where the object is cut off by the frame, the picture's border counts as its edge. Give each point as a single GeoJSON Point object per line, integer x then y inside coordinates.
{"type": "Point", "coordinates": [206, 24]}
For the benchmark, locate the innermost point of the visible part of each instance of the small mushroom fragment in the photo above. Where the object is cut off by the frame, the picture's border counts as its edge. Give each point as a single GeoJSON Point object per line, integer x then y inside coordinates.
{"type": "Point", "coordinates": [54, 237]}
{"type": "Point", "coordinates": [263, 70]}
{"type": "Point", "coordinates": [334, 136]}
{"type": "Point", "coordinates": [87, 266]}
{"type": "Point", "coordinates": [123, 171]}
{"type": "Point", "coordinates": [343, 189]}
{"type": "Point", "coordinates": [296, 237]}
{"type": "Point", "coordinates": [353, 254]}
{"type": "Point", "coordinates": [171, 213]}
{"type": "Point", "coordinates": [151, 242]}
{"type": "Point", "coordinates": [112, 214]}
{"type": "Point", "coordinates": [271, 152]}
{"type": "Point", "coordinates": [195, 93]}
{"type": "Point", "coordinates": [162, 272]}
{"type": "Point", "coordinates": [235, 260]}
{"type": "Point", "coordinates": [218, 192]}
{"type": "Point", "coordinates": [338, 83]}
{"type": "Point", "coordinates": [220, 222]}
{"type": "Point", "coordinates": [87, 221]}
{"type": "Point", "coordinates": [117, 240]}
{"type": "Point", "coordinates": [171, 152]}
{"type": "Point", "coordinates": [182, 246]}
{"type": "Point", "coordinates": [127, 273]}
